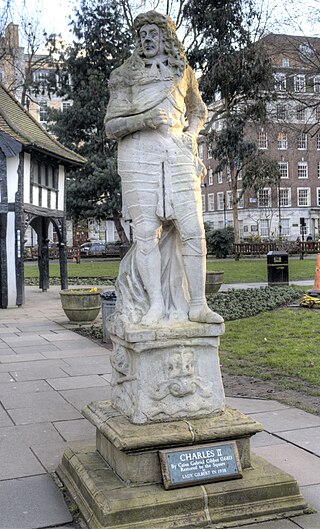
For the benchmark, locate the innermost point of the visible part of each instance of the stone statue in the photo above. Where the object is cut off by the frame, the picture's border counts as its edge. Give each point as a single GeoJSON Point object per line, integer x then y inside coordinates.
{"type": "Point", "coordinates": [155, 113]}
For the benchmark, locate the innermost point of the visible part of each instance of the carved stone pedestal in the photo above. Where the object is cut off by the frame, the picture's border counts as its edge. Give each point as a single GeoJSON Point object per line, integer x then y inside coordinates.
{"type": "Point", "coordinates": [166, 372]}
{"type": "Point", "coordinates": [117, 484]}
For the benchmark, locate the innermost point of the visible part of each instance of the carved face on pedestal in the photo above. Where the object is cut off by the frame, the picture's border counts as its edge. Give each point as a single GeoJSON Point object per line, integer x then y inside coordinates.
{"type": "Point", "coordinates": [151, 40]}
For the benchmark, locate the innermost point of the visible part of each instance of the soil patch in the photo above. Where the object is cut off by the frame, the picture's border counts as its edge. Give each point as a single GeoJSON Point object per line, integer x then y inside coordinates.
{"type": "Point", "coordinates": [306, 397]}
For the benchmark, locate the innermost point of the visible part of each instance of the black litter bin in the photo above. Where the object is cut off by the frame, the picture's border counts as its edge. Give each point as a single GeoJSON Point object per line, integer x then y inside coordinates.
{"type": "Point", "coordinates": [278, 268]}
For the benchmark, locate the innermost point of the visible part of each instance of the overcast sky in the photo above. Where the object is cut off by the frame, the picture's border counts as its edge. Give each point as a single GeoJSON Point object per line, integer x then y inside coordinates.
{"type": "Point", "coordinates": [53, 14]}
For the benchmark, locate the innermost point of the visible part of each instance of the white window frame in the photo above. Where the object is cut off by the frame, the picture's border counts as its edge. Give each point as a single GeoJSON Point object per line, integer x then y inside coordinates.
{"type": "Point", "coordinates": [282, 140]}
{"type": "Point", "coordinates": [318, 169]}
{"type": "Point", "coordinates": [316, 84]}
{"type": "Point", "coordinates": [318, 196]}
{"type": "Point", "coordinates": [262, 140]}
{"type": "Point", "coordinates": [229, 199]}
{"type": "Point", "coordinates": [264, 228]}
{"type": "Point", "coordinates": [200, 150]}
{"type": "Point", "coordinates": [220, 201]}
{"type": "Point", "coordinates": [210, 177]}
{"type": "Point", "coordinates": [281, 111]}
{"type": "Point", "coordinates": [283, 169]}
{"type": "Point", "coordinates": [299, 83]}
{"type": "Point", "coordinates": [65, 105]}
{"type": "Point", "coordinates": [302, 141]}
{"type": "Point", "coordinates": [203, 200]}
{"type": "Point", "coordinates": [284, 197]}
{"type": "Point", "coordinates": [219, 177]}
{"type": "Point", "coordinates": [210, 201]}
{"type": "Point", "coordinates": [209, 153]}
{"type": "Point", "coordinates": [285, 227]}
{"type": "Point", "coordinates": [302, 170]}
{"type": "Point", "coordinates": [280, 82]}
{"type": "Point", "coordinates": [306, 194]}
{"type": "Point", "coordinates": [241, 200]}
{"type": "Point", "coordinates": [264, 201]}
{"type": "Point", "coordinates": [285, 62]}
{"type": "Point", "coordinates": [43, 112]}
{"type": "Point", "coordinates": [301, 113]}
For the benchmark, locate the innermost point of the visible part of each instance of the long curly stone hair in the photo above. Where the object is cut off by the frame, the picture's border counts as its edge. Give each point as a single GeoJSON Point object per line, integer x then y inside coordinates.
{"type": "Point", "coordinates": [176, 56]}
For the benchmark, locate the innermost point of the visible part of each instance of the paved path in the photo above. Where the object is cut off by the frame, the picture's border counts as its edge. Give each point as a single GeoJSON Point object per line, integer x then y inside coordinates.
{"type": "Point", "coordinates": [48, 373]}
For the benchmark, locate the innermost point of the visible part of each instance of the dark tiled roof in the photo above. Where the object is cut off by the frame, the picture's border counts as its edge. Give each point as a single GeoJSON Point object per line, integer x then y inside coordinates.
{"type": "Point", "coordinates": [20, 125]}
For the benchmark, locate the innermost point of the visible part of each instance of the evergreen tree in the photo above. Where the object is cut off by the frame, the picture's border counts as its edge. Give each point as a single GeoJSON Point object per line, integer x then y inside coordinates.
{"type": "Point", "coordinates": [101, 43]}
{"type": "Point", "coordinates": [236, 83]}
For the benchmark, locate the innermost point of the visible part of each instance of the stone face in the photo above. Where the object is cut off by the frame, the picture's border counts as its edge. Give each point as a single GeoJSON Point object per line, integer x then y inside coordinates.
{"type": "Point", "coordinates": [163, 379]}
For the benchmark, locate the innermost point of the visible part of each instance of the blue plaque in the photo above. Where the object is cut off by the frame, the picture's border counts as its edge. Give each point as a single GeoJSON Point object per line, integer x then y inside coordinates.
{"type": "Point", "coordinates": [182, 467]}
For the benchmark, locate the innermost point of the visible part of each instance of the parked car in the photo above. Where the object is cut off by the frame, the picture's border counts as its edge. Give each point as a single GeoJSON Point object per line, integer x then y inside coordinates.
{"type": "Point", "coordinates": [98, 249]}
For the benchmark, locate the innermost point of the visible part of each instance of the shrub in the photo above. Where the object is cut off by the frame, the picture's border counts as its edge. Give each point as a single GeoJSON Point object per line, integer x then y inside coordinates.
{"type": "Point", "coordinates": [220, 242]}
{"type": "Point", "coordinates": [243, 303]}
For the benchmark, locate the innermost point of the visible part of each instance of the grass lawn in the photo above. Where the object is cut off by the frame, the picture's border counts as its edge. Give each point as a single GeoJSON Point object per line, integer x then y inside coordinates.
{"type": "Point", "coordinates": [282, 343]}
{"type": "Point", "coordinates": [243, 271]}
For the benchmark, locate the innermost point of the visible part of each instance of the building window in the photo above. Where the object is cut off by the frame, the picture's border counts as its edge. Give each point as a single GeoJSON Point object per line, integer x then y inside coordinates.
{"type": "Point", "coordinates": [1, 76]}
{"type": "Point", "coordinates": [220, 201]}
{"type": "Point", "coordinates": [240, 199]}
{"type": "Point", "coordinates": [285, 197]}
{"type": "Point", "coordinates": [210, 202]}
{"type": "Point", "coordinates": [318, 196]}
{"type": "Point", "coordinates": [229, 199]}
{"type": "Point", "coordinates": [40, 76]}
{"type": "Point", "coordinates": [299, 83]}
{"type": "Point", "coordinates": [303, 196]}
{"type": "Point", "coordinates": [282, 139]}
{"type": "Point", "coordinates": [65, 105]}
{"type": "Point", "coordinates": [316, 84]}
{"type": "Point", "coordinates": [43, 111]}
{"type": "Point", "coordinates": [209, 152]}
{"type": "Point", "coordinates": [281, 111]}
{"type": "Point", "coordinates": [280, 82]}
{"type": "Point", "coordinates": [264, 228]}
{"type": "Point", "coordinates": [285, 62]}
{"type": "Point", "coordinates": [264, 196]}
{"type": "Point", "coordinates": [301, 113]}
{"type": "Point", "coordinates": [318, 113]}
{"type": "Point", "coordinates": [203, 198]}
{"type": "Point", "coordinates": [283, 169]}
{"type": "Point", "coordinates": [318, 169]}
{"type": "Point", "coordinates": [219, 177]}
{"type": "Point", "coordinates": [210, 177]}
{"type": "Point", "coordinates": [302, 169]}
{"type": "Point", "coordinates": [302, 140]}
{"type": "Point", "coordinates": [262, 140]}
{"type": "Point", "coordinates": [285, 227]}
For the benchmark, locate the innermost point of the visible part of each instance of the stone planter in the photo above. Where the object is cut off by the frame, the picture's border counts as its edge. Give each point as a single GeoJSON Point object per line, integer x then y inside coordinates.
{"type": "Point", "coordinates": [214, 281]}
{"type": "Point", "coordinates": [81, 305]}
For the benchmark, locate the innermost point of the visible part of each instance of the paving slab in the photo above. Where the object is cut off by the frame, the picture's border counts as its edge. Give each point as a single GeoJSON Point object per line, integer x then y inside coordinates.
{"type": "Point", "coordinates": [98, 359]}
{"type": "Point", "coordinates": [50, 454]}
{"type": "Point", "coordinates": [312, 494]}
{"type": "Point", "coordinates": [265, 439]}
{"type": "Point", "coordinates": [18, 462]}
{"type": "Point", "coordinates": [5, 378]}
{"type": "Point", "coordinates": [286, 419]}
{"type": "Point", "coordinates": [34, 400]}
{"type": "Point", "coordinates": [78, 430]}
{"type": "Point", "coordinates": [310, 521]}
{"type": "Point", "coordinates": [38, 503]}
{"type": "Point", "coordinates": [23, 339]}
{"type": "Point", "coordinates": [32, 415]}
{"type": "Point", "coordinates": [73, 344]}
{"type": "Point", "coordinates": [76, 382]}
{"type": "Point", "coordinates": [38, 348]}
{"type": "Point", "coordinates": [41, 372]}
{"type": "Point", "coordinates": [95, 369]}
{"type": "Point", "coordinates": [16, 357]}
{"type": "Point", "coordinates": [303, 466]}
{"type": "Point", "coordinates": [24, 387]}
{"type": "Point", "coordinates": [306, 438]}
{"type": "Point", "coordinates": [29, 435]}
{"type": "Point", "coordinates": [255, 405]}
{"type": "Point", "coordinates": [73, 353]}
{"type": "Point", "coordinates": [5, 419]}
{"type": "Point", "coordinates": [80, 397]}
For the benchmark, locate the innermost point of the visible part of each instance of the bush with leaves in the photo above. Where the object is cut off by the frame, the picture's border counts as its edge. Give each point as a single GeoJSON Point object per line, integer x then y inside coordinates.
{"type": "Point", "coordinates": [220, 242]}
{"type": "Point", "coordinates": [243, 303]}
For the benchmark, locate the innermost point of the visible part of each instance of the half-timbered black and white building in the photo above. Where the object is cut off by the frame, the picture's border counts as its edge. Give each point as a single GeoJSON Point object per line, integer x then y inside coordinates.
{"type": "Point", "coordinates": [33, 168]}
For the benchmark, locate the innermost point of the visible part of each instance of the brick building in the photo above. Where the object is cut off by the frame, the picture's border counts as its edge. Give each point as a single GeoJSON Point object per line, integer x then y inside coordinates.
{"type": "Point", "coordinates": [291, 136]}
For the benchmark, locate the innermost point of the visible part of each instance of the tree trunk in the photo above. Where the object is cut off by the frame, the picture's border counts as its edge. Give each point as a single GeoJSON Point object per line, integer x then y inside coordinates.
{"type": "Point", "coordinates": [122, 234]}
{"type": "Point", "coordinates": [235, 212]}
